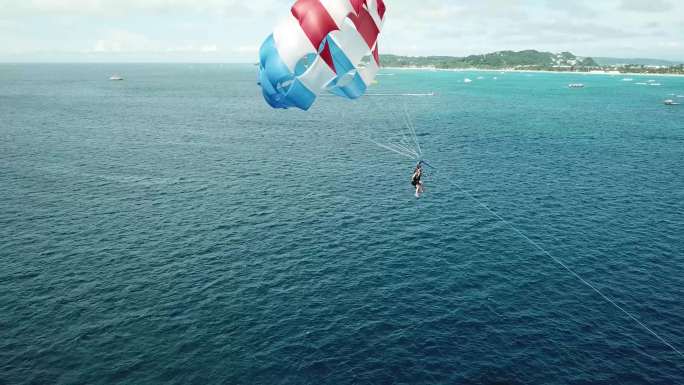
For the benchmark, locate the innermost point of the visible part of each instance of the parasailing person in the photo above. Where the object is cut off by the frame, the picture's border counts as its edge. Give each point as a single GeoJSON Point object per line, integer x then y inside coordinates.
{"type": "Point", "coordinates": [415, 179]}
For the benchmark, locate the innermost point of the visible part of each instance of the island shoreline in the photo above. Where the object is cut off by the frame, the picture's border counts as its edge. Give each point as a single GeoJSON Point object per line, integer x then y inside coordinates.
{"type": "Point", "coordinates": [510, 70]}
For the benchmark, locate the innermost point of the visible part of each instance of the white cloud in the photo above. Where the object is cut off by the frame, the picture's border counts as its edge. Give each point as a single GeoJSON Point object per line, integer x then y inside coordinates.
{"type": "Point", "coordinates": [121, 41]}
{"type": "Point", "coordinates": [124, 8]}
{"type": "Point", "coordinates": [234, 29]}
{"type": "Point", "coordinates": [247, 49]}
{"type": "Point", "coordinates": [125, 41]}
{"type": "Point", "coordinates": [461, 27]}
{"type": "Point", "coordinates": [193, 48]}
{"type": "Point", "coordinates": [646, 6]}
{"type": "Point", "coordinates": [209, 48]}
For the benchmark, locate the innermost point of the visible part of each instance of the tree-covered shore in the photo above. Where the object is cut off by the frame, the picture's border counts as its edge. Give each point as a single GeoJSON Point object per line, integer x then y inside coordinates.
{"type": "Point", "coordinates": [523, 60]}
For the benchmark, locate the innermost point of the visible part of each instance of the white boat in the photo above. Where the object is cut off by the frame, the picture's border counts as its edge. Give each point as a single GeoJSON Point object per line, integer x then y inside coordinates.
{"type": "Point", "coordinates": [115, 77]}
{"type": "Point", "coordinates": [654, 84]}
{"type": "Point", "coordinates": [576, 85]}
{"type": "Point", "coordinates": [670, 102]}
{"type": "Point", "coordinates": [627, 79]}
{"type": "Point", "coordinates": [466, 80]}
{"type": "Point", "coordinates": [641, 83]}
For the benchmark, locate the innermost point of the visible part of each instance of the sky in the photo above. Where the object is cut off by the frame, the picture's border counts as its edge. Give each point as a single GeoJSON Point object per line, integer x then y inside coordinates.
{"type": "Point", "coordinates": [232, 30]}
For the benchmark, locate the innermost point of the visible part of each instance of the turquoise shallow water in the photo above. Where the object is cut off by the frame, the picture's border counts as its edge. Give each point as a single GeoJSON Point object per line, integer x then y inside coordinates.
{"type": "Point", "coordinates": [173, 229]}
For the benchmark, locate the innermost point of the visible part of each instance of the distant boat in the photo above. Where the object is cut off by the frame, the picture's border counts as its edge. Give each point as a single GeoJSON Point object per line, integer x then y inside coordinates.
{"type": "Point", "coordinates": [654, 84]}
{"type": "Point", "coordinates": [466, 80]}
{"type": "Point", "coordinates": [576, 85]}
{"type": "Point", "coordinates": [495, 78]}
{"type": "Point", "coordinates": [642, 83]}
{"type": "Point", "coordinates": [627, 79]}
{"type": "Point", "coordinates": [670, 102]}
{"type": "Point", "coordinates": [115, 77]}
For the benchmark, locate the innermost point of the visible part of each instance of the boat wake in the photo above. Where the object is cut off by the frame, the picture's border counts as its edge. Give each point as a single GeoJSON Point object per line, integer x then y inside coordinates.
{"type": "Point", "coordinates": [400, 94]}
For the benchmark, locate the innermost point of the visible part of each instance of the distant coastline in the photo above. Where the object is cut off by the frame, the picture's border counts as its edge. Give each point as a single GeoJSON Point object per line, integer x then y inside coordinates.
{"type": "Point", "coordinates": [475, 69]}
{"type": "Point", "coordinates": [534, 61]}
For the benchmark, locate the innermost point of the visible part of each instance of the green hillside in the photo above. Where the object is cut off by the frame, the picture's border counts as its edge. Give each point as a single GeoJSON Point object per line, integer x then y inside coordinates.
{"type": "Point", "coordinates": [495, 60]}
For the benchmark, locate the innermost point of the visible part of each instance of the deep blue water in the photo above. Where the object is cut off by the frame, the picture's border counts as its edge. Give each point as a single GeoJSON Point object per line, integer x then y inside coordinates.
{"type": "Point", "coordinates": [171, 228]}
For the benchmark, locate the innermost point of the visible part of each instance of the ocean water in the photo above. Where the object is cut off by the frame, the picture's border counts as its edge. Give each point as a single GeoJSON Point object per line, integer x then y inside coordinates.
{"type": "Point", "coordinates": [172, 229]}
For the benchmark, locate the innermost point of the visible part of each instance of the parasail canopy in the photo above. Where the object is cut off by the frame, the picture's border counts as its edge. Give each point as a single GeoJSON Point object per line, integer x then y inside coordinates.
{"type": "Point", "coordinates": [323, 45]}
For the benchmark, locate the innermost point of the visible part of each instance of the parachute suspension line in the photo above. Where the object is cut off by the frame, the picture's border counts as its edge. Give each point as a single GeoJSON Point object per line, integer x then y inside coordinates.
{"type": "Point", "coordinates": [361, 133]}
{"type": "Point", "coordinates": [405, 142]}
{"type": "Point", "coordinates": [415, 140]}
{"type": "Point", "coordinates": [412, 129]}
{"type": "Point", "coordinates": [409, 150]}
{"type": "Point", "coordinates": [404, 146]}
{"type": "Point", "coordinates": [408, 130]}
{"type": "Point", "coordinates": [410, 142]}
{"type": "Point", "coordinates": [405, 139]}
{"type": "Point", "coordinates": [404, 149]}
{"type": "Point", "coordinates": [571, 271]}
{"type": "Point", "coordinates": [400, 152]}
